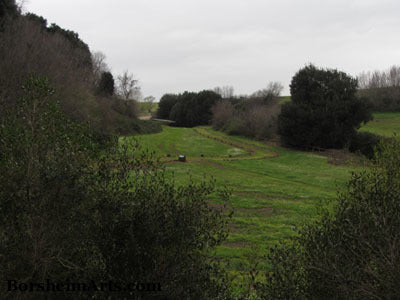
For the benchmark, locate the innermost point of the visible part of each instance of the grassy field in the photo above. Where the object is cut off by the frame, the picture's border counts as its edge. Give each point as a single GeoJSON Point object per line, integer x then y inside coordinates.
{"type": "Point", "coordinates": [273, 189]}
{"type": "Point", "coordinates": [384, 124]}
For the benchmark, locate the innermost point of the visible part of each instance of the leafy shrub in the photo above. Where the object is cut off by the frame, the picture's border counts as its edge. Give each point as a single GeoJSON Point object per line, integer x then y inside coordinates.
{"type": "Point", "coordinates": [222, 112]}
{"type": "Point", "coordinates": [365, 143]}
{"type": "Point", "coordinates": [70, 209]}
{"type": "Point", "coordinates": [351, 253]}
{"type": "Point", "coordinates": [254, 117]}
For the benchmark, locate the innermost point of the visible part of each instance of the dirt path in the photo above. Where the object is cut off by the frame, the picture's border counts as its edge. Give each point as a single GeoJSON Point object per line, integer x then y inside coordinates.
{"type": "Point", "coordinates": [145, 117]}
{"type": "Point", "coordinates": [242, 146]}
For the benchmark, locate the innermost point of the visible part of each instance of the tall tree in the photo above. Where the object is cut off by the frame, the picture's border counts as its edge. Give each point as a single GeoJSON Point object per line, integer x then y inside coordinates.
{"type": "Point", "coordinates": [150, 101]}
{"type": "Point", "coordinates": [106, 84]}
{"type": "Point", "coordinates": [324, 111]}
{"type": "Point", "coordinates": [99, 66]}
{"type": "Point", "coordinates": [128, 87]}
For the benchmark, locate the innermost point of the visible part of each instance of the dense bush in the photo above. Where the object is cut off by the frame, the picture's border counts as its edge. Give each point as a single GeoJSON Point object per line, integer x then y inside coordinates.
{"type": "Point", "coordinates": [106, 84]}
{"type": "Point", "coordinates": [188, 109]}
{"type": "Point", "coordinates": [165, 105]}
{"type": "Point", "coordinates": [353, 252]}
{"type": "Point", "coordinates": [253, 117]}
{"type": "Point", "coordinates": [364, 143]}
{"type": "Point", "coordinates": [324, 111]}
{"type": "Point", "coordinates": [70, 209]}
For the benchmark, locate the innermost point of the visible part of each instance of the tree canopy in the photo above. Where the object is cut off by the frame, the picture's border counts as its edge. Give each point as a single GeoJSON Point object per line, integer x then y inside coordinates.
{"type": "Point", "coordinates": [324, 112]}
{"type": "Point", "coordinates": [188, 109]}
{"type": "Point", "coordinates": [106, 84]}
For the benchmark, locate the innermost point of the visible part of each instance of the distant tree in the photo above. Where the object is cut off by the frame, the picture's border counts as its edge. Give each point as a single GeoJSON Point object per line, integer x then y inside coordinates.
{"type": "Point", "coordinates": [149, 100]}
{"type": "Point", "coordinates": [226, 91]}
{"type": "Point", "coordinates": [165, 105]}
{"type": "Point", "coordinates": [222, 114]}
{"type": "Point", "coordinates": [99, 66]}
{"type": "Point", "coordinates": [193, 109]}
{"type": "Point", "coordinates": [324, 111]}
{"type": "Point", "coordinates": [381, 89]}
{"type": "Point", "coordinates": [273, 90]}
{"type": "Point", "coordinates": [106, 84]}
{"type": "Point", "coordinates": [128, 87]}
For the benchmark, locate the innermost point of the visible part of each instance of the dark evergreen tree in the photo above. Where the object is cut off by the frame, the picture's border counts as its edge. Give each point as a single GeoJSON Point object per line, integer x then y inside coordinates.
{"type": "Point", "coordinates": [324, 111]}
{"type": "Point", "coordinates": [7, 8]}
{"type": "Point", "coordinates": [191, 109]}
{"type": "Point", "coordinates": [106, 84]}
{"type": "Point", "coordinates": [165, 105]}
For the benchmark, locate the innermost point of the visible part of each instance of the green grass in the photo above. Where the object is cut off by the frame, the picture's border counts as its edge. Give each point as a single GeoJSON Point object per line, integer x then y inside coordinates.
{"type": "Point", "coordinates": [385, 124]}
{"type": "Point", "coordinates": [274, 190]}
{"type": "Point", "coordinates": [284, 99]}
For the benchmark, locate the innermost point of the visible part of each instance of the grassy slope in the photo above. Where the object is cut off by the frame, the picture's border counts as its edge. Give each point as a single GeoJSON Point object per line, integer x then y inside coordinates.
{"type": "Point", "coordinates": [273, 189]}
{"type": "Point", "coordinates": [384, 124]}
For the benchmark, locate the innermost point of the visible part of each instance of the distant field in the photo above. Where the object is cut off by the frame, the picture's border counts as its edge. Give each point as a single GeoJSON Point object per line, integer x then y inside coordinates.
{"type": "Point", "coordinates": [273, 189]}
{"type": "Point", "coordinates": [384, 124]}
{"type": "Point", "coordinates": [144, 107]}
{"type": "Point", "coordinates": [284, 99]}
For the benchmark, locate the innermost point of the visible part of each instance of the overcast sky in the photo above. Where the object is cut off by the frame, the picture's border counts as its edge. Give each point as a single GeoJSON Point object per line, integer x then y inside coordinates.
{"type": "Point", "coordinates": [177, 45]}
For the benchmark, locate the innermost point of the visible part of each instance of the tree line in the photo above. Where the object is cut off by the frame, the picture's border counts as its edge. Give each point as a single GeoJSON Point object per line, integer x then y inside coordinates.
{"type": "Point", "coordinates": [381, 89]}
{"type": "Point", "coordinates": [82, 80]}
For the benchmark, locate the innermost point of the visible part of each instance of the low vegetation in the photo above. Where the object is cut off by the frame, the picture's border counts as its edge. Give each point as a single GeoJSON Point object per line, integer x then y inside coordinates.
{"type": "Point", "coordinates": [71, 209]}
{"type": "Point", "coordinates": [254, 116]}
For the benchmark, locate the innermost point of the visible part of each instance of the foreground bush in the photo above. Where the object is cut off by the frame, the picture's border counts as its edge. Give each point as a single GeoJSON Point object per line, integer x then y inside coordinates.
{"type": "Point", "coordinates": [70, 210]}
{"type": "Point", "coordinates": [352, 253]}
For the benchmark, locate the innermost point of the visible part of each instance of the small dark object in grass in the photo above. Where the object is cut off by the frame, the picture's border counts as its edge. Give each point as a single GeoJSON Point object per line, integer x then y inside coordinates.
{"type": "Point", "coordinates": [230, 155]}
{"type": "Point", "coordinates": [202, 155]}
{"type": "Point", "coordinates": [168, 155]}
{"type": "Point", "coordinates": [182, 158]}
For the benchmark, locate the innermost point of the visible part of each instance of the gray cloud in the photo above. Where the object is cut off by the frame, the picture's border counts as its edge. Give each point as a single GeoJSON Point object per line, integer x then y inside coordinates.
{"type": "Point", "coordinates": [177, 45]}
